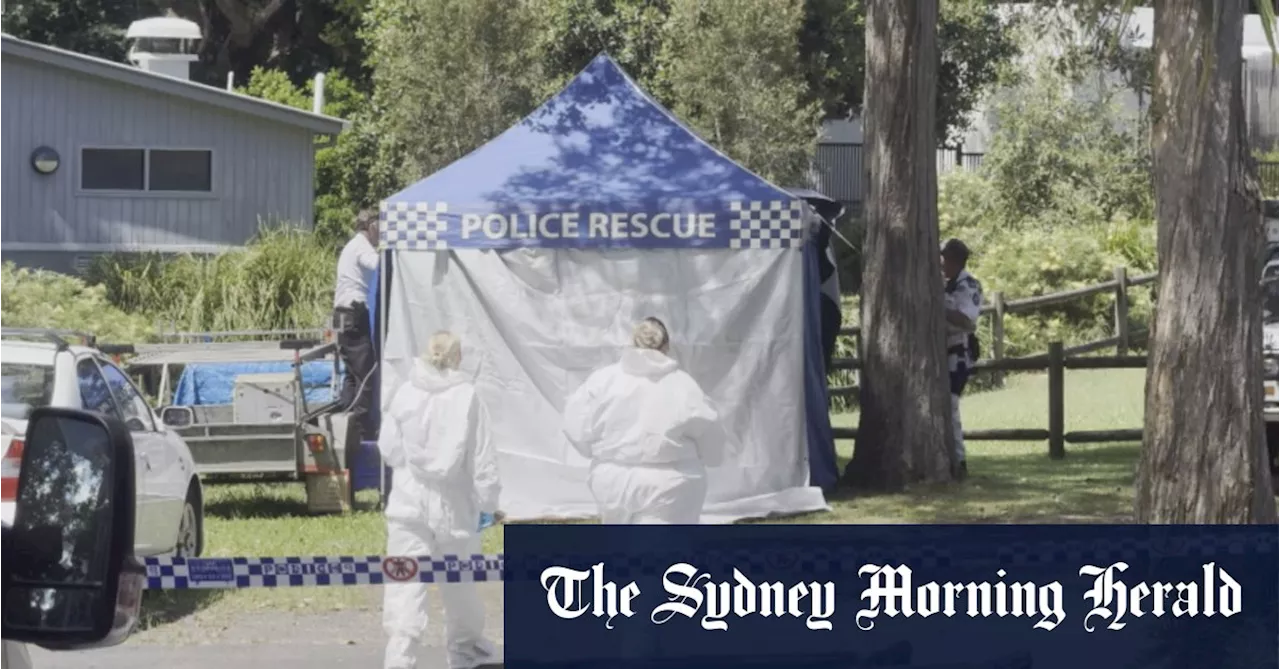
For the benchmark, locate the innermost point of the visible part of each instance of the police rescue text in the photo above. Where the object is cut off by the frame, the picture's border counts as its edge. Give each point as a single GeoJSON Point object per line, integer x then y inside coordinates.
{"type": "Point", "coordinates": [890, 591]}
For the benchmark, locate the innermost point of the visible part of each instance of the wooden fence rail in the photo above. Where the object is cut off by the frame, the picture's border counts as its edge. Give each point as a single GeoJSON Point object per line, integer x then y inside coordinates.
{"type": "Point", "coordinates": [1122, 339]}
{"type": "Point", "coordinates": [1056, 362]}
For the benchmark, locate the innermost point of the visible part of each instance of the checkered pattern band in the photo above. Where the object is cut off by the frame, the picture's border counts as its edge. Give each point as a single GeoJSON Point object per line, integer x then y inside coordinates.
{"type": "Point", "coordinates": [766, 225]}
{"type": "Point", "coordinates": [416, 226]}
{"type": "Point", "coordinates": [835, 560]}
{"type": "Point", "coordinates": [193, 573]}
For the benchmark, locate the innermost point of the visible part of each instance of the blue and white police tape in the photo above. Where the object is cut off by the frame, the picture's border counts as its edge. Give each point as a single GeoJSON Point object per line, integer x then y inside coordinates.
{"type": "Point", "coordinates": [174, 573]}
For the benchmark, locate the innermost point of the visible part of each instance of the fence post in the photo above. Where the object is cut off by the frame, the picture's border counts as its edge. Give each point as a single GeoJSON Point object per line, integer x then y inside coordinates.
{"type": "Point", "coordinates": [1122, 311]}
{"type": "Point", "coordinates": [997, 336]}
{"type": "Point", "coordinates": [1057, 449]}
{"type": "Point", "coordinates": [857, 354]}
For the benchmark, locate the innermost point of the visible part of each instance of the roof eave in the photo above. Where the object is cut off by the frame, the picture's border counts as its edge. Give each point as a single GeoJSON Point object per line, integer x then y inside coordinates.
{"type": "Point", "coordinates": [96, 67]}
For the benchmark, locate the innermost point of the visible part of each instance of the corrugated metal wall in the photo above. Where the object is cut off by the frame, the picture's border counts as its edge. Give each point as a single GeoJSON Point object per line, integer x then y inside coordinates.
{"type": "Point", "coordinates": [260, 168]}
{"type": "Point", "coordinates": [1261, 103]}
{"type": "Point", "coordinates": [840, 169]}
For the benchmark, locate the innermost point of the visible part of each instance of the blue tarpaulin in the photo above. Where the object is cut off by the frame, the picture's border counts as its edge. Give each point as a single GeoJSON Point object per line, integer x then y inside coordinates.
{"type": "Point", "coordinates": [214, 383]}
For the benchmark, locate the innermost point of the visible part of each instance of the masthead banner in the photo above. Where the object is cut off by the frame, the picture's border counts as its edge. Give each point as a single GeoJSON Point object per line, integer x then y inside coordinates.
{"type": "Point", "coordinates": [835, 596]}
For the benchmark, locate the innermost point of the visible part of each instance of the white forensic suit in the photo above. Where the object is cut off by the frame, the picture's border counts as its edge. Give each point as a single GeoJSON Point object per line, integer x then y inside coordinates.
{"type": "Point", "coordinates": [649, 432]}
{"type": "Point", "coordinates": [963, 294]}
{"type": "Point", "coordinates": [435, 436]}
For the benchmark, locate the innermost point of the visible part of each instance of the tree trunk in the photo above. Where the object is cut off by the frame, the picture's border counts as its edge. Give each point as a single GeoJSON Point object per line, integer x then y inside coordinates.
{"type": "Point", "coordinates": [904, 433]}
{"type": "Point", "coordinates": [1203, 449]}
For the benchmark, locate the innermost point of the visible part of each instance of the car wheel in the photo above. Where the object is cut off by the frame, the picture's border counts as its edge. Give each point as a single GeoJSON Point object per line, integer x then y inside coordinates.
{"type": "Point", "coordinates": [190, 541]}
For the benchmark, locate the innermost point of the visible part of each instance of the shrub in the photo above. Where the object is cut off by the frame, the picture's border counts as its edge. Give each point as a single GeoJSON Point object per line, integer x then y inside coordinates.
{"type": "Point", "coordinates": [283, 279]}
{"type": "Point", "coordinates": [38, 298]}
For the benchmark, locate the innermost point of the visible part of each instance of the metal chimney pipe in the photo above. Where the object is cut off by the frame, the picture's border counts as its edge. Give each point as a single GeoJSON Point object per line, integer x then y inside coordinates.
{"type": "Point", "coordinates": [317, 102]}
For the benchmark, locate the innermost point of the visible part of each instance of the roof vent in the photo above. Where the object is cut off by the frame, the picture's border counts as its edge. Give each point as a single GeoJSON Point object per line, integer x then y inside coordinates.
{"type": "Point", "coordinates": [164, 45]}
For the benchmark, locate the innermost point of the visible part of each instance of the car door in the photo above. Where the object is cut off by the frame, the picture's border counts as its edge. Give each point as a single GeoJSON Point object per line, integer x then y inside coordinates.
{"type": "Point", "coordinates": [96, 395]}
{"type": "Point", "coordinates": [166, 480]}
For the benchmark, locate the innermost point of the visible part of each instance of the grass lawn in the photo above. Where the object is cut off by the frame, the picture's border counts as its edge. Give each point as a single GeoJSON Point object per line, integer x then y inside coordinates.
{"type": "Point", "coordinates": [1008, 483]}
{"type": "Point", "coordinates": [1016, 482]}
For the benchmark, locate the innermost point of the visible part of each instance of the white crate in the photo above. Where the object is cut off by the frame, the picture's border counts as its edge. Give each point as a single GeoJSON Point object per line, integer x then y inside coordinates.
{"type": "Point", "coordinates": [265, 398]}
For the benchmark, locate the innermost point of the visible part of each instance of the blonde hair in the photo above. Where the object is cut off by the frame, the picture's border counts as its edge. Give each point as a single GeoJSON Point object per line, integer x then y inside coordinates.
{"type": "Point", "coordinates": [444, 351]}
{"type": "Point", "coordinates": [650, 333]}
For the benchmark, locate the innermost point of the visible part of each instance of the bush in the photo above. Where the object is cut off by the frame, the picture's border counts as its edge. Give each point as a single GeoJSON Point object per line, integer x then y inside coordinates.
{"type": "Point", "coordinates": [38, 298]}
{"type": "Point", "coordinates": [283, 279]}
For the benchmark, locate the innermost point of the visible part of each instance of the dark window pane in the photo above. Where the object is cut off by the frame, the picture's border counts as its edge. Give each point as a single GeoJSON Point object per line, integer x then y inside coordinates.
{"type": "Point", "coordinates": [181, 170]}
{"type": "Point", "coordinates": [111, 169]}
{"type": "Point", "coordinates": [95, 394]}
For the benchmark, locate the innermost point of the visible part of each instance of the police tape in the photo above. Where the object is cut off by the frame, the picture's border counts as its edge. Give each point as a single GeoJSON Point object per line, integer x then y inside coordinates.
{"type": "Point", "coordinates": [175, 573]}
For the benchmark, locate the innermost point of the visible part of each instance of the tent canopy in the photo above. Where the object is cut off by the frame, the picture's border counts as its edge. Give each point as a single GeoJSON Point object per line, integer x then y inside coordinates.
{"type": "Point", "coordinates": [604, 209]}
{"type": "Point", "coordinates": [601, 165]}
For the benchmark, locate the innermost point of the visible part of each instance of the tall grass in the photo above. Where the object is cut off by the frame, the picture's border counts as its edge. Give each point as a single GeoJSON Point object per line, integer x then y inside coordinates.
{"type": "Point", "coordinates": [283, 279]}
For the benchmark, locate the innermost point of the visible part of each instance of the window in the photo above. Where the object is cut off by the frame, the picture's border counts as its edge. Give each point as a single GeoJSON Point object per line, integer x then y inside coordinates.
{"type": "Point", "coordinates": [137, 414]}
{"type": "Point", "coordinates": [25, 387]}
{"type": "Point", "coordinates": [112, 169]}
{"type": "Point", "coordinates": [147, 170]}
{"type": "Point", "coordinates": [190, 171]}
{"type": "Point", "coordinates": [95, 395]}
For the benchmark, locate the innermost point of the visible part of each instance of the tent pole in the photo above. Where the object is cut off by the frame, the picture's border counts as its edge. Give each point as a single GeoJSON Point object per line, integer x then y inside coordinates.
{"type": "Point", "coordinates": [381, 312]}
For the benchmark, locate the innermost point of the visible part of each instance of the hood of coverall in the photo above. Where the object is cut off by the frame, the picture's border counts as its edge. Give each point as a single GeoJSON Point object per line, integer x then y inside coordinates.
{"type": "Point", "coordinates": [647, 362]}
{"type": "Point", "coordinates": [432, 380]}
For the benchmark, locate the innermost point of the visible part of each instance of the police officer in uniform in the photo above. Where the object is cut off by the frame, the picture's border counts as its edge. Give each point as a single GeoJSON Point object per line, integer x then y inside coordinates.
{"type": "Point", "coordinates": [963, 302]}
{"type": "Point", "coordinates": [356, 266]}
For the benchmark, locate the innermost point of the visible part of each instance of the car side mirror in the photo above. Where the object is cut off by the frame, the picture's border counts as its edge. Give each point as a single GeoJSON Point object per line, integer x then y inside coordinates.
{"type": "Point", "coordinates": [69, 577]}
{"type": "Point", "coordinates": [177, 416]}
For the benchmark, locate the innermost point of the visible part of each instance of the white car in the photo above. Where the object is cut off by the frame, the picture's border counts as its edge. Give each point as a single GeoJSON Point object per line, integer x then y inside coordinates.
{"type": "Point", "coordinates": [170, 511]}
{"type": "Point", "coordinates": [170, 499]}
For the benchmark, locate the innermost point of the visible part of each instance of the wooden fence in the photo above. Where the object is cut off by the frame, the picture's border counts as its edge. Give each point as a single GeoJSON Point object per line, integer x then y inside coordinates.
{"type": "Point", "coordinates": [1056, 362]}
{"type": "Point", "coordinates": [998, 307]}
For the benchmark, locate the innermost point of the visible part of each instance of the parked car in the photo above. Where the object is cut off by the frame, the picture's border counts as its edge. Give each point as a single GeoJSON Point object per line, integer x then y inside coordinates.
{"type": "Point", "coordinates": [41, 369]}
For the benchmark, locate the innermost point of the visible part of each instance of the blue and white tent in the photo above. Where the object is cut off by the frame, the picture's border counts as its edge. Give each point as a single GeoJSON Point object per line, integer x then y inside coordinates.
{"type": "Point", "coordinates": [542, 248]}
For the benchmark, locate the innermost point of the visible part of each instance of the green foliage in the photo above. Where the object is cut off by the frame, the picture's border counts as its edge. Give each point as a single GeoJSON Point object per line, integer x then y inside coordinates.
{"type": "Point", "coordinates": [1066, 152]}
{"type": "Point", "coordinates": [732, 70]}
{"type": "Point", "coordinates": [572, 32]}
{"type": "Point", "coordinates": [37, 298]}
{"type": "Point", "coordinates": [94, 27]}
{"type": "Point", "coordinates": [1035, 262]}
{"type": "Point", "coordinates": [283, 279]}
{"type": "Point", "coordinates": [974, 45]}
{"type": "Point", "coordinates": [1267, 172]}
{"type": "Point", "coordinates": [342, 165]}
{"type": "Point", "coordinates": [437, 101]}
{"type": "Point", "coordinates": [298, 38]}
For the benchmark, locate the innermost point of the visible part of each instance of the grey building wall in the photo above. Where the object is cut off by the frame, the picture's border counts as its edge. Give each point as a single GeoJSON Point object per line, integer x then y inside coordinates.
{"type": "Point", "coordinates": [261, 169]}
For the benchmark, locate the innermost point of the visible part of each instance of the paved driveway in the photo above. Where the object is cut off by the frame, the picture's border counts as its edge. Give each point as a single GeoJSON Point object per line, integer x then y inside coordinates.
{"type": "Point", "coordinates": [276, 640]}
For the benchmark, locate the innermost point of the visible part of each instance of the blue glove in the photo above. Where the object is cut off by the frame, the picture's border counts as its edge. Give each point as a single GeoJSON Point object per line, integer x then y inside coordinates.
{"type": "Point", "coordinates": [486, 520]}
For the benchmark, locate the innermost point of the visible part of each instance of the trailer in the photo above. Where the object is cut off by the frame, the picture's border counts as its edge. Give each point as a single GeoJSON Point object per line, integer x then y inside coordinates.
{"type": "Point", "coordinates": [256, 409]}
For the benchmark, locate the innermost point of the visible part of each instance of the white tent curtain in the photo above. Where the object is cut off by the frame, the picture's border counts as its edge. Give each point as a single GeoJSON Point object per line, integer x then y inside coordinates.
{"type": "Point", "coordinates": [535, 323]}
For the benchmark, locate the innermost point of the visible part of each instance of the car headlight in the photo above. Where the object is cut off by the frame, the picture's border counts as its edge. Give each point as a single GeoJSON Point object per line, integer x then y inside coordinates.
{"type": "Point", "coordinates": [1271, 367]}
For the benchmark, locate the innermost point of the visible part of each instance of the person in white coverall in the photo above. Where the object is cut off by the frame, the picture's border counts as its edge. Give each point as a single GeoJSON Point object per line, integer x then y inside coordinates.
{"type": "Point", "coordinates": [650, 433]}
{"type": "Point", "coordinates": [435, 436]}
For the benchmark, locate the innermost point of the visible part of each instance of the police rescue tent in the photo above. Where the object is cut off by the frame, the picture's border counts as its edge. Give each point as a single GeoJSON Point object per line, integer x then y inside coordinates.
{"type": "Point", "coordinates": [542, 248]}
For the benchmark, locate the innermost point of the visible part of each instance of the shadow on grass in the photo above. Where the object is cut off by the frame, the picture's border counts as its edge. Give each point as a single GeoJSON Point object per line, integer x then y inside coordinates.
{"type": "Point", "coordinates": [264, 506]}
{"type": "Point", "coordinates": [1093, 484]}
{"type": "Point", "coordinates": [161, 607]}
{"type": "Point", "coordinates": [285, 499]}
